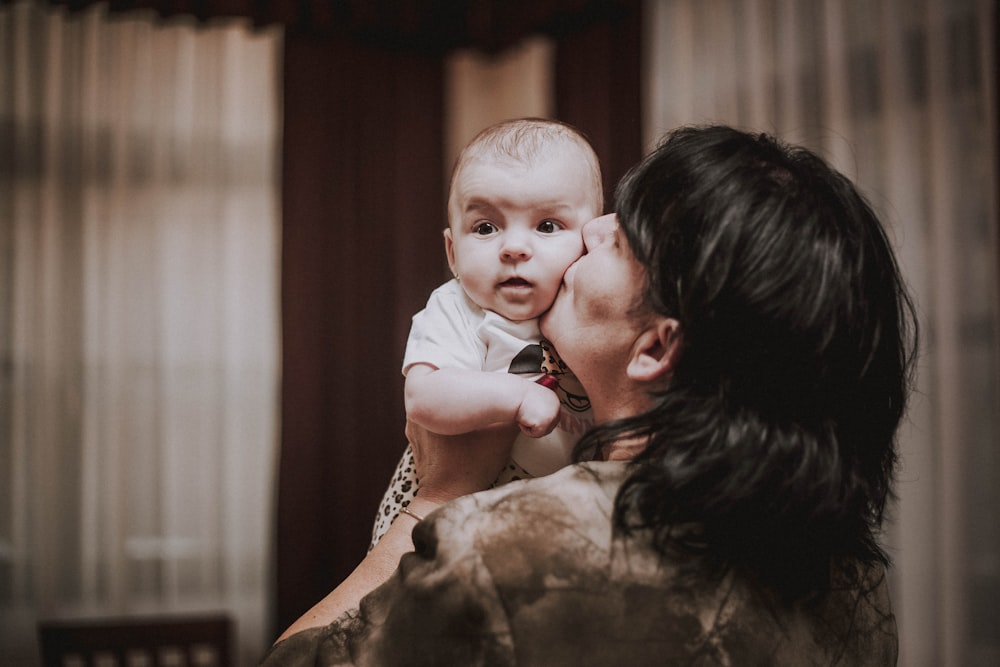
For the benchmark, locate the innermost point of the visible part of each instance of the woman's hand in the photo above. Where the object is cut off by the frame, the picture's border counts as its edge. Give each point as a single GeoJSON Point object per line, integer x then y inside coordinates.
{"type": "Point", "coordinates": [450, 466]}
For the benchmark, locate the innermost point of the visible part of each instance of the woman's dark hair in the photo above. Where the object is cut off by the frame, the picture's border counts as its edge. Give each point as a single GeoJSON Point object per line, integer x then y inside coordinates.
{"type": "Point", "coordinates": [772, 450]}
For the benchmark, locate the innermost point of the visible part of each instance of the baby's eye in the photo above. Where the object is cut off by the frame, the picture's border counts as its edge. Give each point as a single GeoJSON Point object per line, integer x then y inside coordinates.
{"type": "Point", "coordinates": [484, 228]}
{"type": "Point", "coordinates": [548, 226]}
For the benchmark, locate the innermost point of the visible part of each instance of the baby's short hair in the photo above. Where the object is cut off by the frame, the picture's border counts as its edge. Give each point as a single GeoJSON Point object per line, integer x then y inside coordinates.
{"type": "Point", "coordinates": [524, 140]}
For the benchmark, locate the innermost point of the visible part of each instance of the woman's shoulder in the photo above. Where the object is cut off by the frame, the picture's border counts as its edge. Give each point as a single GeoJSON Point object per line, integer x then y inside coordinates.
{"type": "Point", "coordinates": [533, 573]}
{"type": "Point", "coordinates": [559, 524]}
{"type": "Point", "coordinates": [561, 572]}
{"type": "Point", "coordinates": [582, 492]}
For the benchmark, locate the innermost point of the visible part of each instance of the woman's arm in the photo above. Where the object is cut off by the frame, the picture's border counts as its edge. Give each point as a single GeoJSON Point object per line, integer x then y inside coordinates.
{"type": "Point", "coordinates": [371, 572]}
{"type": "Point", "coordinates": [448, 467]}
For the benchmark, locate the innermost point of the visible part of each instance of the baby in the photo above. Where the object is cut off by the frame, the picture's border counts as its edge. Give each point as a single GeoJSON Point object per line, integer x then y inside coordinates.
{"type": "Point", "coordinates": [520, 194]}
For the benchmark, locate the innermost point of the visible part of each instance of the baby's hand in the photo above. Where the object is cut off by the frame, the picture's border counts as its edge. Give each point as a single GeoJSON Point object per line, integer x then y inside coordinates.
{"type": "Point", "coordinates": [538, 413]}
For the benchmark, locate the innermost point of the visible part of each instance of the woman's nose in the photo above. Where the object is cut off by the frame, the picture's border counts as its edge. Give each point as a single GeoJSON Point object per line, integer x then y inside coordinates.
{"type": "Point", "coordinates": [598, 230]}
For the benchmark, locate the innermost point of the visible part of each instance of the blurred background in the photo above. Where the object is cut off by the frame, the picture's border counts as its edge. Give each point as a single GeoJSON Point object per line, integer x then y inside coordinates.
{"type": "Point", "coordinates": [217, 218]}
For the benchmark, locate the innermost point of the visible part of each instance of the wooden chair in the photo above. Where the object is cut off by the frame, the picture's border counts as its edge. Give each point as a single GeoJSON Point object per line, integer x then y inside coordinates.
{"type": "Point", "coordinates": [195, 641]}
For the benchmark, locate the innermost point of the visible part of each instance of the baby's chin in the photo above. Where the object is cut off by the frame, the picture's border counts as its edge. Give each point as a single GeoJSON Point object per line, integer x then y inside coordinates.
{"type": "Point", "coordinates": [519, 314]}
{"type": "Point", "coordinates": [518, 310]}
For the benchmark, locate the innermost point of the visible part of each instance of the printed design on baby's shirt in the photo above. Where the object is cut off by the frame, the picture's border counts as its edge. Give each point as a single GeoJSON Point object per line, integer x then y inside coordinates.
{"type": "Point", "coordinates": [552, 363]}
{"type": "Point", "coordinates": [543, 358]}
{"type": "Point", "coordinates": [571, 392]}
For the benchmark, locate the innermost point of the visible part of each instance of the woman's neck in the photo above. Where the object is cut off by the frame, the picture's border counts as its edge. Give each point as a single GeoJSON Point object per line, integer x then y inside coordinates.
{"type": "Point", "coordinates": [624, 450]}
{"type": "Point", "coordinates": [621, 405]}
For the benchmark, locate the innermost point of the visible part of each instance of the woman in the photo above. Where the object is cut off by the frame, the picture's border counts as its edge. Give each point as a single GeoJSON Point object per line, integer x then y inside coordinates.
{"type": "Point", "coordinates": [746, 341]}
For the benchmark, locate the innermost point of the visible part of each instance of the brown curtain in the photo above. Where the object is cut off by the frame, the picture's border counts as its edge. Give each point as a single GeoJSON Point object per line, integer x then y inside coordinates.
{"type": "Point", "coordinates": [597, 90]}
{"type": "Point", "coordinates": [362, 210]}
{"type": "Point", "coordinates": [361, 250]}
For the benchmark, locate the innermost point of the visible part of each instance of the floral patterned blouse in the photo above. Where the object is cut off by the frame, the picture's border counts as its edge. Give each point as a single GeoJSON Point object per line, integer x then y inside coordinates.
{"type": "Point", "coordinates": [531, 574]}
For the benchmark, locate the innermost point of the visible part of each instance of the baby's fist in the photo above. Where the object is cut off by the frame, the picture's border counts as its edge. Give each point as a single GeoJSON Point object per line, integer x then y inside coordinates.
{"type": "Point", "coordinates": [538, 413]}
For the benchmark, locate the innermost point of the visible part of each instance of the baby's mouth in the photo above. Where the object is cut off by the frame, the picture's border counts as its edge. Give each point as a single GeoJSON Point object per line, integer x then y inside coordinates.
{"type": "Point", "coordinates": [515, 282]}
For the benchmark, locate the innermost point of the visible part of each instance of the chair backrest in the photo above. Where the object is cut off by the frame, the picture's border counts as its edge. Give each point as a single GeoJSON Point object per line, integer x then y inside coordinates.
{"type": "Point", "coordinates": [189, 641]}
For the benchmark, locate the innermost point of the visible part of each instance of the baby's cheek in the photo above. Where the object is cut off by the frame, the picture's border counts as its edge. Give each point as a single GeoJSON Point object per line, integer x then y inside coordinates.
{"type": "Point", "coordinates": [573, 253]}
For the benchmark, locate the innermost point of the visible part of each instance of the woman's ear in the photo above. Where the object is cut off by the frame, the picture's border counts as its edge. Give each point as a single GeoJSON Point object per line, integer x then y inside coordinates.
{"type": "Point", "coordinates": [655, 351]}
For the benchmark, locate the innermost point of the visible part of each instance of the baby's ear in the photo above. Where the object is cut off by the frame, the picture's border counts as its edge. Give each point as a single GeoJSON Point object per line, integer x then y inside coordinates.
{"type": "Point", "coordinates": [449, 249]}
{"type": "Point", "coordinates": [655, 351]}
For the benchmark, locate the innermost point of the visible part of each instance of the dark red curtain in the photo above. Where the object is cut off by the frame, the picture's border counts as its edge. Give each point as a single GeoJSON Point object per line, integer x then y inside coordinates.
{"type": "Point", "coordinates": [362, 214]}
{"type": "Point", "coordinates": [597, 89]}
{"type": "Point", "coordinates": [361, 250]}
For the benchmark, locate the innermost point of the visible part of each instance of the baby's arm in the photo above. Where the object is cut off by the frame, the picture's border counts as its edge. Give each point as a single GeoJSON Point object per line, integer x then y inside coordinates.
{"type": "Point", "coordinates": [451, 401]}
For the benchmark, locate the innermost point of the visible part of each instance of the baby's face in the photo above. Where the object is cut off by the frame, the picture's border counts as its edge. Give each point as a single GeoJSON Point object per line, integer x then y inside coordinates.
{"type": "Point", "coordinates": [515, 227]}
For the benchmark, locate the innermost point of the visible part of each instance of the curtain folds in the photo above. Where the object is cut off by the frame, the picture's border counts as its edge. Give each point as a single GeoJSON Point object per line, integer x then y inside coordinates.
{"type": "Point", "coordinates": [901, 96]}
{"type": "Point", "coordinates": [361, 249]}
{"type": "Point", "coordinates": [598, 89]}
{"type": "Point", "coordinates": [138, 320]}
{"type": "Point", "coordinates": [141, 300]}
{"type": "Point", "coordinates": [362, 209]}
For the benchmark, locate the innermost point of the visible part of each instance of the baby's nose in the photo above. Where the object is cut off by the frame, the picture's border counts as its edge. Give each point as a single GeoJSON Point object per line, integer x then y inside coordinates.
{"type": "Point", "coordinates": [516, 246]}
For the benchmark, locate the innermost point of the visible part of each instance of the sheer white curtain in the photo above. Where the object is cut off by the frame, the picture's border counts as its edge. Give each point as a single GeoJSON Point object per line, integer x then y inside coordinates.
{"type": "Point", "coordinates": [899, 95]}
{"type": "Point", "coordinates": [138, 319]}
